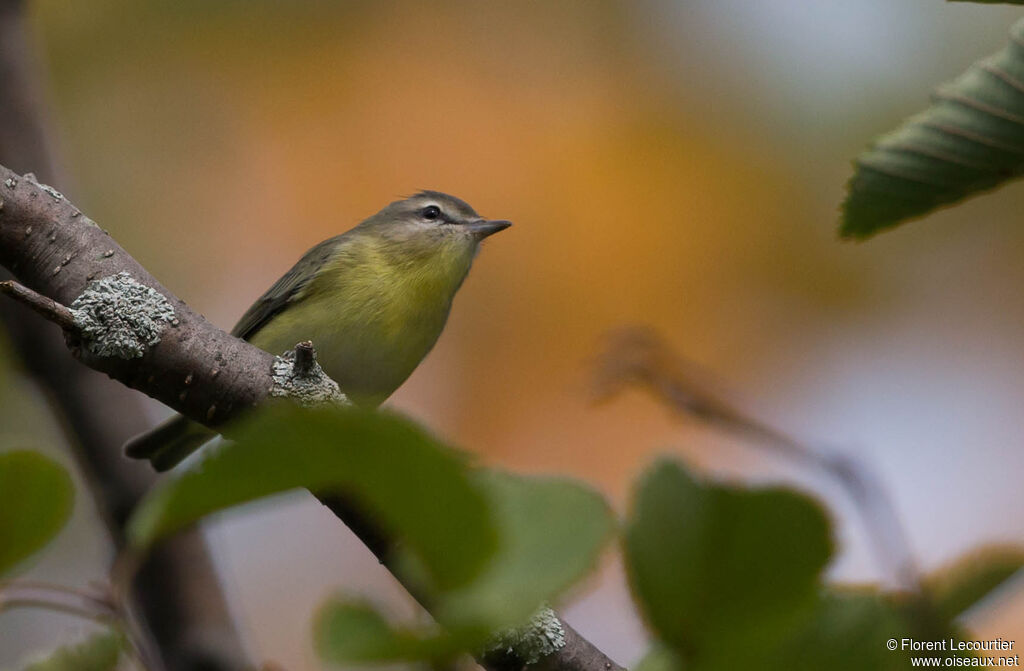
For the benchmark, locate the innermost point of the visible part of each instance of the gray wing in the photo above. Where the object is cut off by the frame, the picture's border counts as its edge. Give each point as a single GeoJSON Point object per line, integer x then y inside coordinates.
{"type": "Point", "coordinates": [285, 290]}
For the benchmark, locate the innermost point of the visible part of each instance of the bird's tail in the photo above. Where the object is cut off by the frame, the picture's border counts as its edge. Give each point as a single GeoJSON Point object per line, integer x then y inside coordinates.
{"type": "Point", "coordinates": [169, 443]}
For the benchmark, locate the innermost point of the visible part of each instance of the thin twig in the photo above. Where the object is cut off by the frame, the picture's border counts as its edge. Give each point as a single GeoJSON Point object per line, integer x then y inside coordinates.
{"type": "Point", "coordinates": [46, 307]}
{"type": "Point", "coordinates": [640, 356]}
{"type": "Point", "coordinates": [54, 594]}
{"type": "Point", "coordinates": [107, 608]}
{"type": "Point", "coordinates": [51, 604]}
{"type": "Point", "coordinates": [101, 598]}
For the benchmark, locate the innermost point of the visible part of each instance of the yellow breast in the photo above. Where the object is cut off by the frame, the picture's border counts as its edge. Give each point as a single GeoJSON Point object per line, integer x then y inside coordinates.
{"type": "Point", "coordinates": [372, 314]}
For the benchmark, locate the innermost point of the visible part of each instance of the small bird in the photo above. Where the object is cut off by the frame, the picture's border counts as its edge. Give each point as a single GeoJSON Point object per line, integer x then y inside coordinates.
{"type": "Point", "coordinates": [372, 300]}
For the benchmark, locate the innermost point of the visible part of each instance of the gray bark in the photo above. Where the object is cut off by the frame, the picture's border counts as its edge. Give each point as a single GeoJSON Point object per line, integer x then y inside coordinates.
{"type": "Point", "coordinates": [178, 591]}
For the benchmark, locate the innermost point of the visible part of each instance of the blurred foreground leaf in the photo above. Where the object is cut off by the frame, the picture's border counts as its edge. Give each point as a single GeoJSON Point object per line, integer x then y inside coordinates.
{"type": "Point", "coordinates": [36, 496]}
{"type": "Point", "coordinates": [417, 489]}
{"type": "Point", "coordinates": [711, 564]}
{"type": "Point", "coordinates": [971, 139]}
{"type": "Point", "coordinates": [355, 633]}
{"type": "Point", "coordinates": [550, 533]}
{"type": "Point", "coordinates": [730, 578]}
{"type": "Point", "coordinates": [973, 577]}
{"type": "Point", "coordinates": [659, 658]}
{"type": "Point", "coordinates": [846, 631]}
{"type": "Point", "coordinates": [99, 652]}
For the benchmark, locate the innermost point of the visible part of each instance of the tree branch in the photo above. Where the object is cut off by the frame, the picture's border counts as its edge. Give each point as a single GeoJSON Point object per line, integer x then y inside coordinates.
{"type": "Point", "coordinates": [178, 591]}
{"type": "Point", "coordinates": [192, 366]}
{"type": "Point", "coordinates": [195, 368]}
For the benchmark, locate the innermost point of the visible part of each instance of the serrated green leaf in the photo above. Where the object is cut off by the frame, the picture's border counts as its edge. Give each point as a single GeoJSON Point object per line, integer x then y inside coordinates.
{"type": "Point", "coordinates": [99, 652]}
{"type": "Point", "coordinates": [710, 563]}
{"type": "Point", "coordinates": [414, 487]}
{"type": "Point", "coordinates": [971, 578]}
{"type": "Point", "coordinates": [36, 496]}
{"type": "Point", "coordinates": [970, 140]}
{"type": "Point", "coordinates": [550, 533]}
{"type": "Point", "coordinates": [347, 632]}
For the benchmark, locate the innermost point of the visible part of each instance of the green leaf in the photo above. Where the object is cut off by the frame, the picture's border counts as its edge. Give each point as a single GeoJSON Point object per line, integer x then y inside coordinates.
{"type": "Point", "coordinates": [970, 140]}
{"type": "Point", "coordinates": [550, 533]}
{"type": "Point", "coordinates": [846, 631]}
{"type": "Point", "coordinates": [36, 496]}
{"type": "Point", "coordinates": [973, 577]}
{"type": "Point", "coordinates": [99, 652]}
{"type": "Point", "coordinates": [347, 632]}
{"type": "Point", "coordinates": [660, 658]}
{"type": "Point", "coordinates": [712, 563]}
{"type": "Point", "coordinates": [415, 488]}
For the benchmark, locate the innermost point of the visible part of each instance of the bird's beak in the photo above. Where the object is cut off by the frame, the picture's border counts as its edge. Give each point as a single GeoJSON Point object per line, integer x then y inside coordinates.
{"type": "Point", "coordinates": [483, 228]}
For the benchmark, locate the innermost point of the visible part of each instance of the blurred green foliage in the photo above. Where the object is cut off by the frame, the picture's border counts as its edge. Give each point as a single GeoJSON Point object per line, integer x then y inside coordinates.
{"type": "Point", "coordinates": [659, 658]}
{"type": "Point", "coordinates": [483, 548]}
{"type": "Point", "coordinates": [727, 576]}
{"type": "Point", "coordinates": [99, 652]}
{"type": "Point", "coordinates": [550, 532]}
{"type": "Point", "coordinates": [846, 631]}
{"type": "Point", "coordinates": [352, 632]}
{"type": "Point", "coordinates": [429, 503]}
{"type": "Point", "coordinates": [36, 496]}
{"type": "Point", "coordinates": [971, 139]}
{"type": "Point", "coordinates": [714, 565]}
{"type": "Point", "coordinates": [730, 577]}
{"type": "Point", "coordinates": [972, 578]}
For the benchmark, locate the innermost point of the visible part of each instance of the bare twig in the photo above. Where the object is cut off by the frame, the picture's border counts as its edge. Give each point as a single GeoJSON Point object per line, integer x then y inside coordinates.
{"type": "Point", "coordinates": [191, 366]}
{"type": "Point", "coordinates": [638, 356]}
{"type": "Point", "coordinates": [49, 309]}
{"type": "Point", "coordinates": [54, 604]}
{"type": "Point", "coordinates": [103, 599]}
{"type": "Point", "coordinates": [78, 603]}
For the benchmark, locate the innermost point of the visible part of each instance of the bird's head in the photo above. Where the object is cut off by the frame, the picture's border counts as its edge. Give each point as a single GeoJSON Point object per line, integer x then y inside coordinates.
{"type": "Point", "coordinates": [433, 217]}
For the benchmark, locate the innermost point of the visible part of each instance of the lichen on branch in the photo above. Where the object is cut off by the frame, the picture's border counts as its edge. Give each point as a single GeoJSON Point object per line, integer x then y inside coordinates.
{"type": "Point", "coordinates": [123, 322]}
{"type": "Point", "coordinates": [117, 316]}
{"type": "Point", "coordinates": [543, 635]}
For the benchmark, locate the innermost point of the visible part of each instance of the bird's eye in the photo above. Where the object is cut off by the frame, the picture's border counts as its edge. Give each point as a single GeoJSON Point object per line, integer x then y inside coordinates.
{"type": "Point", "coordinates": [431, 212]}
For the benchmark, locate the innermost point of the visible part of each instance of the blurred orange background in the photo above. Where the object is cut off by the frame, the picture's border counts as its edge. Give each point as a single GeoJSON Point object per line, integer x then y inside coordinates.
{"type": "Point", "coordinates": [671, 164]}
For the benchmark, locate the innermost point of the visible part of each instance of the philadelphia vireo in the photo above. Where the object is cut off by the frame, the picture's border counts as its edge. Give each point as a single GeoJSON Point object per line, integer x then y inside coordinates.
{"type": "Point", "coordinates": [373, 300]}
